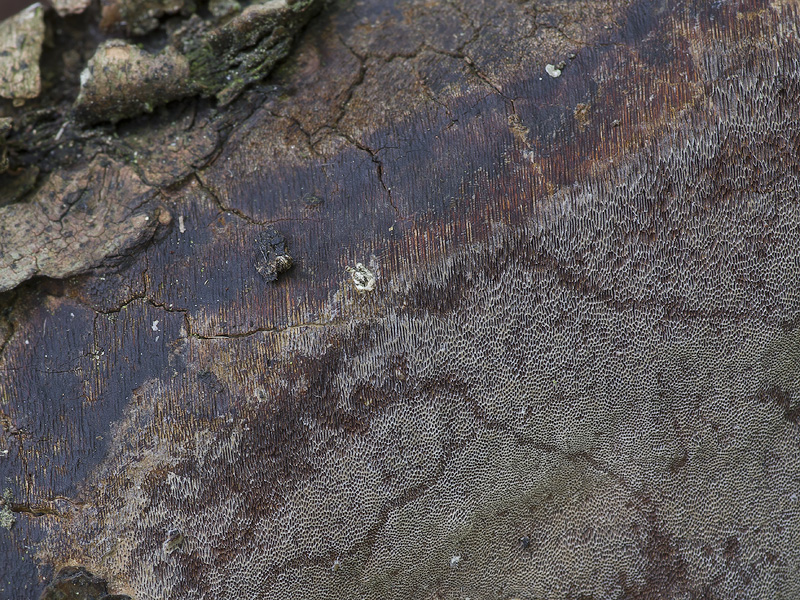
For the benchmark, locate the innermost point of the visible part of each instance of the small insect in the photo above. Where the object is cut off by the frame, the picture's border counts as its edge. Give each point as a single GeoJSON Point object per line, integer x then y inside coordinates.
{"type": "Point", "coordinates": [173, 542]}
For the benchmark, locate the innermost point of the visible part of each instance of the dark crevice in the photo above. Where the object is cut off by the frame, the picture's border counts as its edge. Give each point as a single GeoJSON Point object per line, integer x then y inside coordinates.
{"type": "Point", "coordinates": [10, 324]}
{"type": "Point", "coordinates": [362, 71]}
{"type": "Point", "coordinates": [235, 211]}
{"type": "Point", "coordinates": [247, 334]}
{"type": "Point", "coordinates": [33, 510]}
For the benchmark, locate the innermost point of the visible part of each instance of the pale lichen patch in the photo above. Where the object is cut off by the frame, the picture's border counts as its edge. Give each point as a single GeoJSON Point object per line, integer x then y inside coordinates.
{"type": "Point", "coordinates": [7, 518]}
{"type": "Point", "coordinates": [364, 280]}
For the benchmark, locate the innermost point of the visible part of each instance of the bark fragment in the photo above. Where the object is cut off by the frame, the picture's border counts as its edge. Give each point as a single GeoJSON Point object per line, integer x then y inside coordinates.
{"type": "Point", "coordinates": [122, 81]}
{"type": "Point", "coordinates": [70, 7]}
{"type": "Point", "coordinates": [75, 222]}
{"type": "Point", "coordinates": [245, 49]}
{"type": "Point", "coordinates": [138, 16]}
{"type": "Point", "coordinates": [21, 40]}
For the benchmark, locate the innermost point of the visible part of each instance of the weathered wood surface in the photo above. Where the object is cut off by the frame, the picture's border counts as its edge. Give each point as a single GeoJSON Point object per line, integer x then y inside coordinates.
{"type": "Point", "coordinates": [577, 376]}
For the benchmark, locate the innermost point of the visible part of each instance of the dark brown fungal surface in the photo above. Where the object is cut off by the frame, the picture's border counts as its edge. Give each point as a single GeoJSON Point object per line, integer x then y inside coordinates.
{"type": "Point", "coordinates": [583, 333]}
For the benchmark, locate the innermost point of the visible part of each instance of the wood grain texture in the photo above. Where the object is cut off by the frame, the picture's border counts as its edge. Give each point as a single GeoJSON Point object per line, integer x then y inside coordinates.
{"type": "Point", "coordinates": [576, 377]}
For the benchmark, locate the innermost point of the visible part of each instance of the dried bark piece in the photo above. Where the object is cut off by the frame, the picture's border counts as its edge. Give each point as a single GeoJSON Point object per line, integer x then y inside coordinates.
{"type": "Point", "coordinates": [70, 7]}
{"type": "Point", "coordinates": [21, 40]}
{"type": "Point", "coordinates": [245, 49]}
{"type": "Point", "coordinates": [140, 16]}
{"type": "Point", "coordinates": [75, 224]}
{"type": "Point", "coordinates": [223, 8]}
{"type": "Point", "coordinates": [122, 81]}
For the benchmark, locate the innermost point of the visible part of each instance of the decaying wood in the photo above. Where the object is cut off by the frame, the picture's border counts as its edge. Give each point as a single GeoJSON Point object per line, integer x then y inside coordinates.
{"type": "Point", "coordinates": [465, 300]}
{"type": "Point", "coordinates": [21, 40]}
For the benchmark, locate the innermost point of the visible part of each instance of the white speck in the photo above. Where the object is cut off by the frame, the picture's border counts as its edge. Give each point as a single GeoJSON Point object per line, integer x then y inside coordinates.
{"type": "Point", "coordinates": [72, 315]}
{"type": "Point", "coordinates": [86, 75]}
{"type": "Point", "coordinates": [27, 342]}
{"type": "Point", "coordinates": [553, 70]}
{"type": "Point", "coordinates": [157, 337]}
{"type": "Point", "coordinates": [60, 132]}
{"type": "Point", "coordinates": [454, 560]}
{"type": "Point", "coordinates": [181, 226]}
{"type": "Point", "coordinates": [154, 326]}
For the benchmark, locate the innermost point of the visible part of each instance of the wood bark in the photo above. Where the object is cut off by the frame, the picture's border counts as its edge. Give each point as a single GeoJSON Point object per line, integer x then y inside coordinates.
{"type": "Point", "coordinates": [460, 300]}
